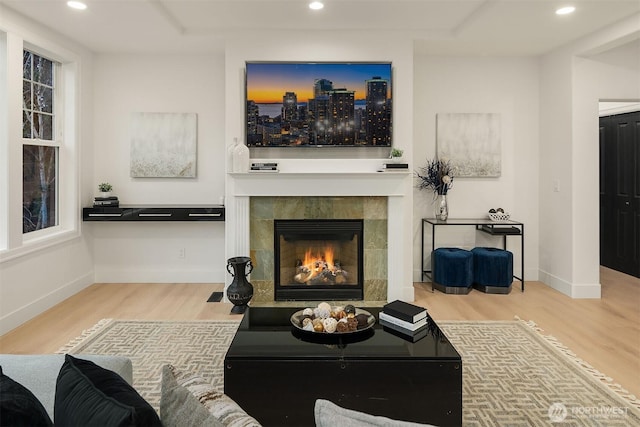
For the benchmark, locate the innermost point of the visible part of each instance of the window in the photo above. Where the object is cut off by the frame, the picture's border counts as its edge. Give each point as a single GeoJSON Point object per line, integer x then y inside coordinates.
{"type": "Point", "coordinates": [39, 145]}
{"type": "Point", "coordinates": [40, 148]}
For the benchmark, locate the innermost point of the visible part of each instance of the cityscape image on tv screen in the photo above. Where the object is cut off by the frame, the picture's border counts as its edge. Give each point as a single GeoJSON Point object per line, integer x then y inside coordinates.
{"type": "Point", "coordinates": [318, 104]}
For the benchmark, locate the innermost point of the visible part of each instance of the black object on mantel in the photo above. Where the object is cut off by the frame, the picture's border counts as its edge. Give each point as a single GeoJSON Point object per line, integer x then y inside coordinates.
{"type": "Point", "coordinates": [240, 291]}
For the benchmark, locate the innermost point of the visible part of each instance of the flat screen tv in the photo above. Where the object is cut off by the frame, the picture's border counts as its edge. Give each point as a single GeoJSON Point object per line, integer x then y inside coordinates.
{"type": "Point", "coordinates": [317, 104]}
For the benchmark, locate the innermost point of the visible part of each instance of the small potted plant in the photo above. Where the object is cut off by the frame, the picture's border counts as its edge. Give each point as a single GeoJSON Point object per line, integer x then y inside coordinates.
{"type": "Point", "coordinates": [396, 154]}
{"type": "Point", "coordinates": [105, 189]}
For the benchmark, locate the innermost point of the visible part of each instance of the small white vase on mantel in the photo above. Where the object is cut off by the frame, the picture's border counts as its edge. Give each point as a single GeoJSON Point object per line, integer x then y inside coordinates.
{"type": "Point", "coordinates": [241, 158]}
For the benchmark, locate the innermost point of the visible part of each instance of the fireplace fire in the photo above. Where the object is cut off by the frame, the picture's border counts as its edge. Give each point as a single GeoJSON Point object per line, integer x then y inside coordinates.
{"type": "Point", "coordinates": [318, 260]}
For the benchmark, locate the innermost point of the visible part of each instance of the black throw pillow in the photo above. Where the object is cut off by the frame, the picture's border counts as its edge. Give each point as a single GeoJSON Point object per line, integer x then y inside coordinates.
{"type": "Point", "coordinates": [19, 407]}
{"type": "Point", "coordinates": [87, 394]}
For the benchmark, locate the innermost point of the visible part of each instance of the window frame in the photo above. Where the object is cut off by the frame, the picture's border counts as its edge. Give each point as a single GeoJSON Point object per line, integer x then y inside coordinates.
{"type": "Point", "coordinates": [57, 142]}
{"type": "Point", "coordinates": [13, 242]}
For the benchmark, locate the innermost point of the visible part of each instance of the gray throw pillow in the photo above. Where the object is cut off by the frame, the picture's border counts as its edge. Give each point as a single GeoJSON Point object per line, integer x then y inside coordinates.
{"type": "Point", "coordinates": [185, 388]}
{"type": "Point", "coordinates": [328, 414]}
{"type": "Point", "coordinates": [178, 407]}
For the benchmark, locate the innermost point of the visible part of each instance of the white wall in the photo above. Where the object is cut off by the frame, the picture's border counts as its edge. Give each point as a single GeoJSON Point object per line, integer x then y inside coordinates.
{"type": "Point", "coordinates": [33, 281]}
{"type": "Point", "coordinates": [571, 87]}
{"type": "Point", "coordinates": [149, 252]}
{"type": "Point", "coordinates": [509, 87]}
{"type": "Point", "coordinates": [325, 46]}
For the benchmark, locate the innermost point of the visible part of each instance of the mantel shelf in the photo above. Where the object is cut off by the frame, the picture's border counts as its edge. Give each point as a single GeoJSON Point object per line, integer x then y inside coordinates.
{"type": "Point", "coordinates": [245, 175]}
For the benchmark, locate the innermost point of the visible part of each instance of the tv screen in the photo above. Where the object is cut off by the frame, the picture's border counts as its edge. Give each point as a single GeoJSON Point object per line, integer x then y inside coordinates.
{"type": "Point", "coordinates": [314, 104]}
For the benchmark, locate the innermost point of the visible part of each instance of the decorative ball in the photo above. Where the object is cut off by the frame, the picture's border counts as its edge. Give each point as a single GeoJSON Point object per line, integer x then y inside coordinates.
{"type": "Point", "coordinates": [362, 319]}
{"type": "Point", "coordinates": [342, 327]}
{"type": "Point", "coordinates": [318, 327]}
{"type": "Point", "coordinates": [308, 327]}
{"type": "Point", "coordinates": [352, 323]}
{"type": "Point", "coordinates": [307, 312]}
{"type": "Point", "coordinates": [322, 313]}
{"type": "Point", "coordinates": [349, 308]}
{"type": "Point", "coordinates": [307, 321]}
{"type": "Point", "coordinates": [330, 325]}
{"type": "Point", "coordinates": [324, 306]}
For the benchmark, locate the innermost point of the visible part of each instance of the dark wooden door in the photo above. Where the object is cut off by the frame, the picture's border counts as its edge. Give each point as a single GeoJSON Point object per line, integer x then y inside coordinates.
{"type": "Point", "coordinates": [620, 192]}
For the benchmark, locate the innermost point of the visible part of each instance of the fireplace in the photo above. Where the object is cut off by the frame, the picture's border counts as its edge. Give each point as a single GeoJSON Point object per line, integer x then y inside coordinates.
{"type": "Point", "coordinates": [318, 259]}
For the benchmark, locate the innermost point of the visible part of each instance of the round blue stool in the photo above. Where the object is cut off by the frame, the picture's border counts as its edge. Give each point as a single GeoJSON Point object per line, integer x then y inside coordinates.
{"type": "Point", "coordinates": [452, 270]}
{"type": "Point", "coordinates": [492, 270]}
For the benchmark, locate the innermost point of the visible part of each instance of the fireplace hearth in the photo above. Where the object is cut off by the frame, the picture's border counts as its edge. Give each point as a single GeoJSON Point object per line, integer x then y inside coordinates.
{"type": "Point", "coordinates": [319, 259]}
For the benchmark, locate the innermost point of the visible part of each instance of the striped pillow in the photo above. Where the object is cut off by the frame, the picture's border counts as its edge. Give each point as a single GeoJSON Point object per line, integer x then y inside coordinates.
{"type": "Point", "coordinates": [218, 404]}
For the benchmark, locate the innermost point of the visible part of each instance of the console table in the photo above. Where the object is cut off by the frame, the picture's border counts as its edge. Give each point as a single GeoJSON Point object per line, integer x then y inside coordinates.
{"type": "Point", "coordinates": [155, 213]}
{"type": "Point", "coordinates": [495, 228]}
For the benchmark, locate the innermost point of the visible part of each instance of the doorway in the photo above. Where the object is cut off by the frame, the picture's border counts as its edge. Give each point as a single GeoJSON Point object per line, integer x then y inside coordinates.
{"type": "Point", "coordinates": [620, 192]}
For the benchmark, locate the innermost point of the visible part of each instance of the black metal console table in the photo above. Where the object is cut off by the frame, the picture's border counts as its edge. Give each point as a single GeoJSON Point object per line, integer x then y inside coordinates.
{"type": "Point", "coordinates": [154, 213]}
{"type": "Point", "coordinates": [495, 228]}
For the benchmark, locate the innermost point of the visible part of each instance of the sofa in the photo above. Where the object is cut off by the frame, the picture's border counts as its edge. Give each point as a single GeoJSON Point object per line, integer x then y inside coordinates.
{"type": "Point", "coordinates": [97, 390]}
{"type": "Point", "coordinates": [38, 373]}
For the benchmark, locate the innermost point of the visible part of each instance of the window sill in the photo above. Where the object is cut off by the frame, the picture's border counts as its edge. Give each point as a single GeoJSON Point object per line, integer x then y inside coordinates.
{"type": "Point", "coordinates": [36, 245]}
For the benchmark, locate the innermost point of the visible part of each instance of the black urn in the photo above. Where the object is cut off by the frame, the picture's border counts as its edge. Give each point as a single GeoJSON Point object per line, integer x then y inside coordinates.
{"type": "Point", "coordinates": [240, 291]}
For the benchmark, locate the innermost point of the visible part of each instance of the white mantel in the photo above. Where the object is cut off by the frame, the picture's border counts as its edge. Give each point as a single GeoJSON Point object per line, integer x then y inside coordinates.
{"type": "Point", "coordinates": [346, 177]}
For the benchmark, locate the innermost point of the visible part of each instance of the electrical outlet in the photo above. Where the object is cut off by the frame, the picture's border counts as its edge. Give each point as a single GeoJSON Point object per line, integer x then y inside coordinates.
{"type": "Point", "coordinates": [181, 253]}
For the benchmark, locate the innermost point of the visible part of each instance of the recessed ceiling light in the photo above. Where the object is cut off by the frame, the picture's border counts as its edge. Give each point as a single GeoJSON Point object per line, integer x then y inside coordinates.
{"type": "Point", "coordinates": [316, 5]}
{"type": "Point", "coordinates": [76, 5]}
{"type": "Point", "coordinates": [565, 10]}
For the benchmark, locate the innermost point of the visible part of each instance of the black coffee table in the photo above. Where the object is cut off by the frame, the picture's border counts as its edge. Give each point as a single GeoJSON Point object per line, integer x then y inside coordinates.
{"type": "Point", "coordinates": [276, 372]}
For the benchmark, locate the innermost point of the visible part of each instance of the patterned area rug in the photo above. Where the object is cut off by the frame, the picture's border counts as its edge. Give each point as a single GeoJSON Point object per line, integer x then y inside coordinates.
{"type": "Point", "coordinates": [512, 374]}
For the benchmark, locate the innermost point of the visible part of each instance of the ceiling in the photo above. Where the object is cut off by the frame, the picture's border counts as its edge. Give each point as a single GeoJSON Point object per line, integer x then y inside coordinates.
{"type": "Point", "coordinates": [452, 27]}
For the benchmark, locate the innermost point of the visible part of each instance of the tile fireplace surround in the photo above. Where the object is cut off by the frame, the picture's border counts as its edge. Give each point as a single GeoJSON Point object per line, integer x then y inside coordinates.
{"type": "Point", "coordinates": [360, 184]}
{"type": "Point", "coordinates": [373, 210]}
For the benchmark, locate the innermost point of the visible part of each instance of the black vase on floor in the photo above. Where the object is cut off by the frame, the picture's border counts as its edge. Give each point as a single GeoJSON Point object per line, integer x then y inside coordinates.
{"type": "Point", "coordinates": [240, 291]}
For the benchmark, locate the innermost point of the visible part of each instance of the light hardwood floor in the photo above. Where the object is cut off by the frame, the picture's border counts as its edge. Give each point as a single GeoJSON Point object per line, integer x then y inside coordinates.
{"type": "Point", "coordinates": [605, 332]}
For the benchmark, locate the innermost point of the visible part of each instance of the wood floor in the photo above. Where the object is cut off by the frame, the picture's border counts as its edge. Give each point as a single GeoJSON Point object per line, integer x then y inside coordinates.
{"type": "Point", "coordinates": [605, 332]}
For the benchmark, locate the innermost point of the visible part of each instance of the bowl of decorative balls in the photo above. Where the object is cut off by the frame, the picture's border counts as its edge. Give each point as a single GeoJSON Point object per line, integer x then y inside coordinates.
{"type": "Point", "coordinates": [498, 215]}
{"type": "Point", "coordinates": [326, 319]}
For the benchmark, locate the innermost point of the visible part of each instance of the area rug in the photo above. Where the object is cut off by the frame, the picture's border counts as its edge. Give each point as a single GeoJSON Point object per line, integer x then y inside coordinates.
{"type": "Point", "coordinates": [513, 375]}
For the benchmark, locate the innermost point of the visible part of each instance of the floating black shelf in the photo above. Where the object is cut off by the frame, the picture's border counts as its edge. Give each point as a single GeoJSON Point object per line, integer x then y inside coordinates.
{"type": "Point", "coordinates": [154, 213]}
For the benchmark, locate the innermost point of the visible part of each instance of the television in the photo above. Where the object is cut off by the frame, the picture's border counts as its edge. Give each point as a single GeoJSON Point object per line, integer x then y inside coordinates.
{"type": "Point", "coordinates": [318, 104]}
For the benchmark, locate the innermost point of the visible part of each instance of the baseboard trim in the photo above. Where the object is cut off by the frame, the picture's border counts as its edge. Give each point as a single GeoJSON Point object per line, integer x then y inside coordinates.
{"type": "Point", "coordinates": [573, 290]}
{"type": "Point", "coordinates": [40, 305]}
{"type": "Point", "coordinates": [157, 275]}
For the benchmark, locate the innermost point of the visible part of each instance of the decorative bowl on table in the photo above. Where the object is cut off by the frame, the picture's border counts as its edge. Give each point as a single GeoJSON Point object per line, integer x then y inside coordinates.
{"type": "Point", "coordinates": [499, 216]}
{"type": "Point", "coordinates": [332, 320]}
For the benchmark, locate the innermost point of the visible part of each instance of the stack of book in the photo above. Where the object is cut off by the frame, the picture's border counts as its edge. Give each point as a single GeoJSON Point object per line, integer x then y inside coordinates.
{"type": "Point", "coordinates": [264, 167]}
{"type": "Point", "coordinates": [409, 320]}
{"type": "Point", "coordinates": [106, 202]}
{"type": "Point", "coordinates": [394, 167]}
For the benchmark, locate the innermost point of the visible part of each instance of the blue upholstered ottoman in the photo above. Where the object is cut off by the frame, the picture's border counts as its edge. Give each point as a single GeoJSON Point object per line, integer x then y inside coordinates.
{"type": "Point", "coordinates": [452, 270]}
{"type": "Point", "coordinates": [492, 270]}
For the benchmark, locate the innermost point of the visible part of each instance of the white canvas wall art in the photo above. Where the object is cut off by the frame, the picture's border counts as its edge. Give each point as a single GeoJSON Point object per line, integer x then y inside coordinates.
{"type": "Point", "coordinates": [471, 141]}
{"type": "Point", "coordinates": [163, 145]}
